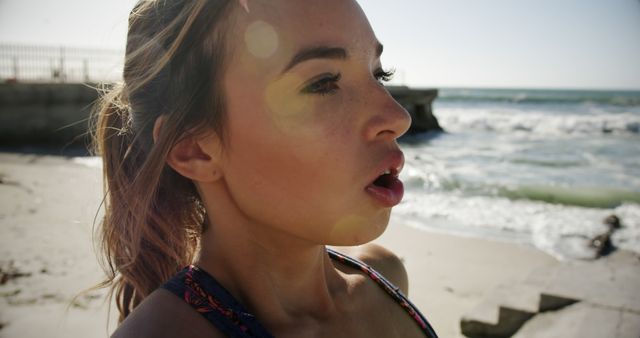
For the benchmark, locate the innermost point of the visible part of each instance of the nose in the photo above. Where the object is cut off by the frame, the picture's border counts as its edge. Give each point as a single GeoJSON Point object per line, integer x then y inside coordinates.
{"type": "Point", "coordinates": [389, 120]}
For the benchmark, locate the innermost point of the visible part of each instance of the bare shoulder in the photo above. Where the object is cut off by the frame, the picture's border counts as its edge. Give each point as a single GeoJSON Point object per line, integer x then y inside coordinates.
{"type": "Point", "coordinates": [162, 314]}
{"type": "Point", "coordinates": [382, 260]}
{"type": "Point", "coordinates": [377, 305]}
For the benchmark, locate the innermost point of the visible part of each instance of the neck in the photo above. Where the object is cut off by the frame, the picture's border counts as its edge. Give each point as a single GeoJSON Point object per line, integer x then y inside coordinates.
{"type": "Point", "coordinates": [277, 276]}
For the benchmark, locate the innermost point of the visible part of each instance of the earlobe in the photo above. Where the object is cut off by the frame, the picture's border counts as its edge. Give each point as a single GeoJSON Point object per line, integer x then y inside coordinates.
{"type": "Point", "coordinates": [194, 156]}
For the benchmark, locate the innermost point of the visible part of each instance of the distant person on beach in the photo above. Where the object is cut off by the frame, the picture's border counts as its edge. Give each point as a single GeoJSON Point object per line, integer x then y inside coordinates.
{"type": "Point", "coordinates": [247, 136]}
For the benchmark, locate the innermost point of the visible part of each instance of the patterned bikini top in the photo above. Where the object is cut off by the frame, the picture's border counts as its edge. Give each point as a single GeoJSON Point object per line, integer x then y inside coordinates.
{"type": "Point", "coordinates": [220, 308]}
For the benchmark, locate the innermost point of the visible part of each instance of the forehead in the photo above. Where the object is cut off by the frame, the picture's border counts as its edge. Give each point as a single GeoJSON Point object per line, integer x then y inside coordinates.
{"type": "Point", "coordinates": [323, 15]}
{"type": "Point", "coordinates": [273, 30]}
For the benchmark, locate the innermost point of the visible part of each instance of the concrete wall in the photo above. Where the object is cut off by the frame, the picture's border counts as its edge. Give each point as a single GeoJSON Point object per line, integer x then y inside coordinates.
{"type": "Point", "coordinates": [47, 114]}
{"type": "Point", "coordinates": [58, 114]}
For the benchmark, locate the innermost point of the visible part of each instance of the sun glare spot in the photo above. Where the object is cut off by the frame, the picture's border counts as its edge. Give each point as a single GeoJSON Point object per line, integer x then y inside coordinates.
{"type": "Point", "coordinates": [286, 107]}
{"type": "Point", "coordinates": [348, 228]}
{"type": "Point", "coordinates": [261, 39]}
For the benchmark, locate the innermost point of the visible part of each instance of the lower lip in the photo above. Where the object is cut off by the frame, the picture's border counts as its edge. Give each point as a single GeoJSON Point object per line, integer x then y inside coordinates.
{"type": "Point", "coordinates": [387, 197]}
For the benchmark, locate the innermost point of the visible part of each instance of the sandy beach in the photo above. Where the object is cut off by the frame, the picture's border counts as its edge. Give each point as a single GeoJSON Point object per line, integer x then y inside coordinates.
{"type": "Point", "coordinates": [47, 210]}
{"type": "Point", "coordinates": [47, 207]}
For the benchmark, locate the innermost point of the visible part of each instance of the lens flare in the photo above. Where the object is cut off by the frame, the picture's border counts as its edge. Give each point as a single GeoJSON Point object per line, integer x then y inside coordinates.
{"type": "Point", "coordinates": [287, 106]}
{"type": "Point", "coordinates": [354, 230]}
{"type": "Point", "coordinates": [261, 39]}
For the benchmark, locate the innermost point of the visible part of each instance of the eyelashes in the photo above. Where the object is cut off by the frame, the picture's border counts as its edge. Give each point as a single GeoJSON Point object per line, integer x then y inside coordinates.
{"type": "Point", "coordinates": [328, 83]}
{"type": "Point", "coordinates": [384, 75]}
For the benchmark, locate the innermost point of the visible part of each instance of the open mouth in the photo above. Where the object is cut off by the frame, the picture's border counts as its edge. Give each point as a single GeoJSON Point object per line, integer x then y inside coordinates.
{"type": "Point", "coordinates": [385, 180]}
{"type": "Point", "coordinates": [387, 189]}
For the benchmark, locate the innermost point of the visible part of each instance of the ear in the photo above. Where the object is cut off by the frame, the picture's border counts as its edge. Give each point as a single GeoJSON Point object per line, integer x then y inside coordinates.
{"type": "Point", "coordinates": [195, 156]}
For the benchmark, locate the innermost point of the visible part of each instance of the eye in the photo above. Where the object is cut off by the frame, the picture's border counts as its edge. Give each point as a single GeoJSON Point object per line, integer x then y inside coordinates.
{"type": "Point", "coordinates": [326, 84]}
{"type": "Point", "coordinates": [384, 75]}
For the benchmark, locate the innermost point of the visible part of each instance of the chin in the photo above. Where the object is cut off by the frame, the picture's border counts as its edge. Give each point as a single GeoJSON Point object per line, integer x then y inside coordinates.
{"type": "Point", "coordinates": [356, 230]}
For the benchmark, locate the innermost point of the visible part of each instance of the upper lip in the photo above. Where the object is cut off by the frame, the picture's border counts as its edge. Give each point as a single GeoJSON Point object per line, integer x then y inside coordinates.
{"type": "Point", "coordinates": [392, 163]}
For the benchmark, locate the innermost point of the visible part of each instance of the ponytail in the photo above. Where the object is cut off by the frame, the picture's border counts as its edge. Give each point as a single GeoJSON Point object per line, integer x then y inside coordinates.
{"type": "Point", "coordinates": [153, 217]}
{"type": "Point", "coordinates": [144, 238]}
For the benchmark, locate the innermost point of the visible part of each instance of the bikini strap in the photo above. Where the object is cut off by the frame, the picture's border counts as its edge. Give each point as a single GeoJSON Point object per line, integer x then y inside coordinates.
{"type": "Point", "coordinates": [203, 292]}
{"type": "Point", "coordinates": [209, 298]}
{"type": "Point", "coordinates": [387, 286]}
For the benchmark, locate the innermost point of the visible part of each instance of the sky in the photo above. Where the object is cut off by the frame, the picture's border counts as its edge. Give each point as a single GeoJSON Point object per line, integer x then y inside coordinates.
{"type": "Point", "coordinates": [574, 44]}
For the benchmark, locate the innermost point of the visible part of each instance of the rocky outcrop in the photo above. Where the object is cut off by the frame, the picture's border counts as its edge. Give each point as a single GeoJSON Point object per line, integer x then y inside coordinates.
{"type": "Point", "coordinates": [419, 103]}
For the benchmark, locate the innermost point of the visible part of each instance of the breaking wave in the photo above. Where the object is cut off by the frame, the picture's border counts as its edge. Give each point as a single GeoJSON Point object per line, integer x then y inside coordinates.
{"type": "Point", "coordinates": [510, 121]}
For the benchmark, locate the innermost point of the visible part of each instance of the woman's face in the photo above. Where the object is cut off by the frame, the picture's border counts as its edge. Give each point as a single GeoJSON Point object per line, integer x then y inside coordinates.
{"type": "Point", "coordinates": [309, 125]}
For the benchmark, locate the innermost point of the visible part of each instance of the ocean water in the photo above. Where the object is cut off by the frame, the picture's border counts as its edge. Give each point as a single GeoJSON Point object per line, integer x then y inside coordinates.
{"type": "Point", "coordinates": [540, 167]}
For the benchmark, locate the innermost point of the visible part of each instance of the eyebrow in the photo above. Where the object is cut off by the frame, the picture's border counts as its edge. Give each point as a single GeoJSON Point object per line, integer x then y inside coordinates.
{"type": "Point", "coordinates": [323, 52]}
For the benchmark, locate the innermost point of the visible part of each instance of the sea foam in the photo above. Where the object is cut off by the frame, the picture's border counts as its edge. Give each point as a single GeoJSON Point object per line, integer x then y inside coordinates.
{"type": "Point", "coordinates": [505, 120]}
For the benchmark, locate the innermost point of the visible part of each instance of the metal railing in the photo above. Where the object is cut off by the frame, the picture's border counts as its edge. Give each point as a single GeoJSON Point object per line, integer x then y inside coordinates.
{"type": "Point", "coordinates": [22, 63]}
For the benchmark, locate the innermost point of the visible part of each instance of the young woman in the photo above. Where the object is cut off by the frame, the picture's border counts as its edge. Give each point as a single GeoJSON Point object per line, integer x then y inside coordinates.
{"type": "Point", "coordinates": [246, 137]}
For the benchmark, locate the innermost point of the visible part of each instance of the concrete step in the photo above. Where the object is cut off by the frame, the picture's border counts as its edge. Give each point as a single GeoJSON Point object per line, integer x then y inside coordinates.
{"type": "Point", "coordinates": [506, 309]}
{"type": "Point", "coordinates": [504, 322]}
{"type": "Point", "coordinates": [609, 288]}
{"type": "Point", "coordinates": [582, 320]}
{"type": "Point", "coordinates": [611, 282]}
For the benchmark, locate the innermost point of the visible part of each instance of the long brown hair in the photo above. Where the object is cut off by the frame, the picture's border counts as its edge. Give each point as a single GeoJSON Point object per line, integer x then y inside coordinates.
{"type": "Point", "coordinates": [173, 68]}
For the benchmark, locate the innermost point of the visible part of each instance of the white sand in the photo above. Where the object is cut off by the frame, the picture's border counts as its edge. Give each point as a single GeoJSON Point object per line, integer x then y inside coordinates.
{"type": "Point", "coordinates": [47, 207]}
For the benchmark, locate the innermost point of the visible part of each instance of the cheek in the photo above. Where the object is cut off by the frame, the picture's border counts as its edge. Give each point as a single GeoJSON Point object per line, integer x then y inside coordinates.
{"type": "Point", "coordinates": [301, 173]}
{"type": "Point", "coordinates": [290, 145]}
{"type": "Point", "coordinates": [305, 198]}
{"type": "Point", "coordinates": [272, 174]}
